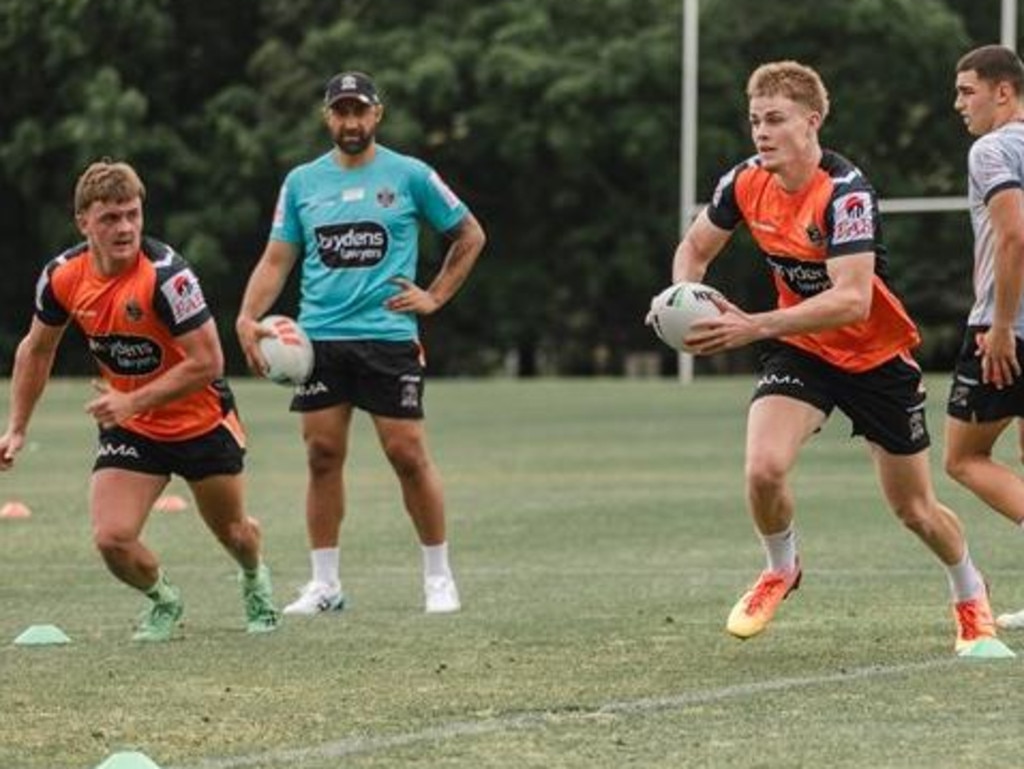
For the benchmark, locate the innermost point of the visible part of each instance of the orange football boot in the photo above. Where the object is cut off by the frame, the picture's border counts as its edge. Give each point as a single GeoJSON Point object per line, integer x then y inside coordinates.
{"type": "Point", "coordinates": [757, 606]}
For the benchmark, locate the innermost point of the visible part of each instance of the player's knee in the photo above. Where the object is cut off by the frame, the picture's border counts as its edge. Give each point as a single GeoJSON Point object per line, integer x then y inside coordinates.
{"type": "Point", "coordinates": [955, 466]}
{"type": "Point", "coordinates": [239, 536]}
{"type": "Point", "coordinates": [916, 515]}
{"type": "Point", "coordinates": [960, 467]}
{"type": "Point", "coordinates": [110, 541]}
{"type": "Point", "coordinates": [407, 457]}
{"type": "Point", "coordinates": [324, 456]}
{"type": "Point", "coordinates": [764, 476]}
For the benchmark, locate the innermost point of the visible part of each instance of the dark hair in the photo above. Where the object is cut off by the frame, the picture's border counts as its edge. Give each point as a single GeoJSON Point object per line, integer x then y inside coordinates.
{"type": "Point", "coordinates": [994, 64]}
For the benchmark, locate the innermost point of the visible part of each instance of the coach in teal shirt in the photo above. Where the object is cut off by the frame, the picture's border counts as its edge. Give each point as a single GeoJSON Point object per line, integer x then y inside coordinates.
{"type": "Point", "coordinates": [352, 217]}
{"type": "Point", "coordinates": [358, 228]}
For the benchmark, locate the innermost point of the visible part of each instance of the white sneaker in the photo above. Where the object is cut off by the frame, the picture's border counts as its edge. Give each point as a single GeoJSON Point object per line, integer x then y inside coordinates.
{"type": "Point", "coordinates": [1013, 621]}
{"type": "Point", "coordinates": [317, 598]}
{"type": "Point", "coordinates": [441, 594]}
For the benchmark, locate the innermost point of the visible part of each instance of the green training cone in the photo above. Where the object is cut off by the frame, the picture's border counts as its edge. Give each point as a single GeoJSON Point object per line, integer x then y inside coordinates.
{"type": "Point", "coordinates": [128, 760]}
{"type": "Point", "coordinates": [42, 635]}
{"type": "Point", "coordinates": [987, 649]}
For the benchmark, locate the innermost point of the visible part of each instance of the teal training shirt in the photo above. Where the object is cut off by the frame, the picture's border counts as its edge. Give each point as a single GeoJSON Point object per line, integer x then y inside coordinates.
{"type": "Point", "coordinates": [356, 230]}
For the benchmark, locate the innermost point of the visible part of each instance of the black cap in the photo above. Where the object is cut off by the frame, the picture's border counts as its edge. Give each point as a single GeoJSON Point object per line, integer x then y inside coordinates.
{"type": "Point", "coordinates": [351, 85]}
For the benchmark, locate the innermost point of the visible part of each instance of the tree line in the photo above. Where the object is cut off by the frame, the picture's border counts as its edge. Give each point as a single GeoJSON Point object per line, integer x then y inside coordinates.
{"type": "Point", "coordinates": [557, 122]}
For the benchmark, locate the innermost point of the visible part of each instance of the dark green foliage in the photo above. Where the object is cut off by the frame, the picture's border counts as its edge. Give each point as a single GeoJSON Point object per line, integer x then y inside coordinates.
{"type": "Point", "coordinates": [558, 122]}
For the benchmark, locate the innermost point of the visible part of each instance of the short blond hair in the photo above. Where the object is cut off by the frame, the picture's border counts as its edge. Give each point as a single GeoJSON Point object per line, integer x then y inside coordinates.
{"type": "Point", "coordinates": [107, 181]}
{"type": "Point", "coordinates": [792, 80]}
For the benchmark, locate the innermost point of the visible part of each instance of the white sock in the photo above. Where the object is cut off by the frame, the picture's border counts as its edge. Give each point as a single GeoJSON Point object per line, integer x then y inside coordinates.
{"type": "Point", "coordinates": [781, 550]}
{"type": "Point", "coordinates": [435, 560]}
{"type": "Point", "coordinates": [326, 565]}
{"type": "Point", "coordinates": [964, 580]}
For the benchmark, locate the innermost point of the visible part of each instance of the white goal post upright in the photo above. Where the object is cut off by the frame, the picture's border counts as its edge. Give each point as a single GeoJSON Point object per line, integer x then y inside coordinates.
{"type": "Point", "coordinates": [688, 206]}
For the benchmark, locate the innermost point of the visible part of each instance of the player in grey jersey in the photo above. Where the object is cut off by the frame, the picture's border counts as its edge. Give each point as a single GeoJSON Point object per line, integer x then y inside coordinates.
{"type": "Point", "coordinates": [987, 391]}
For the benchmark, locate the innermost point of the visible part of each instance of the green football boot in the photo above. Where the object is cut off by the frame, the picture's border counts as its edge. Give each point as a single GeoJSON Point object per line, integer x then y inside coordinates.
{"type": "Point", "coordinates": [261, 616]}
{"type": "Point", "coordinates": [159, 622]}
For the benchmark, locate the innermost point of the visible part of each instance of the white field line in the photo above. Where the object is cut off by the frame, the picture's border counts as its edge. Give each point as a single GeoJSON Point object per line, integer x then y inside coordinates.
{"type": "Point", "coordinates": [294, 757]}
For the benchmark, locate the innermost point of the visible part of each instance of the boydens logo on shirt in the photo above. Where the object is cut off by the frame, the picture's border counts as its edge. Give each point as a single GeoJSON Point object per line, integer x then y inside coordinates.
{"type": "Point", "coordinates": [126, 355]}
{"type": "Point", "coordinates": [802, 278]}
{"type": "Point", "coordinates": [183, 295]}
{"type": "Point", "coordinates": [853, 215]}
{"type": "Point", "coordinates": [355, 244]}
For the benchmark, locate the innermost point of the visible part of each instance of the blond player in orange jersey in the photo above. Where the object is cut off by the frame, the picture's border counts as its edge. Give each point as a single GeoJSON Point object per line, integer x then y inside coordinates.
{"type": "Point", "coordinates": [162, 407]}
{"type": "Point", "coordinates": [839, 338]}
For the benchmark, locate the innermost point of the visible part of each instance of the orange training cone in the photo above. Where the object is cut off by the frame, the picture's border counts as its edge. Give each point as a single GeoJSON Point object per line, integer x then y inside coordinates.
{"type": "Point", "coordinates": [170, 503]}
{"type": "Point", "coordinates": [15, 509]}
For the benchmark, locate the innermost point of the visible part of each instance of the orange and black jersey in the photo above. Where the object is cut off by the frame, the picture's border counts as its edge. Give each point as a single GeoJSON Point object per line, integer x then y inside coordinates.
{"type": "Point", "coordinates": [131, 322]}
{"type": "Point", "coordinates": [835, 214]}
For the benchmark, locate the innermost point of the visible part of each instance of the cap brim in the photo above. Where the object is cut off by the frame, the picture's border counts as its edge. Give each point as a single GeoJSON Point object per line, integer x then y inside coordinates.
{"type": "Point", "coordinates": [360, 97]}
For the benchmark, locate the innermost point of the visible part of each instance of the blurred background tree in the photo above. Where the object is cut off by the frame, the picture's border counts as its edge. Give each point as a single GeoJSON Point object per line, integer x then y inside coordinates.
{"type": "Point", "coordinates": [557, 122]}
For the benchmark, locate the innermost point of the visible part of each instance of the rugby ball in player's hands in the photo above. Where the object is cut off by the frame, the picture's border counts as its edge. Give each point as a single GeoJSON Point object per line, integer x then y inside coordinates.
{"type": "Point", "coordinates": [674, 311]}
{"type": "Point", "coordinates": [288, 353]}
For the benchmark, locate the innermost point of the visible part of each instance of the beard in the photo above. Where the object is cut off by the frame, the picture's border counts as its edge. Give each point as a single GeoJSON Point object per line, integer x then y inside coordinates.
{"type": "Point", "coordinates": [353, 144]}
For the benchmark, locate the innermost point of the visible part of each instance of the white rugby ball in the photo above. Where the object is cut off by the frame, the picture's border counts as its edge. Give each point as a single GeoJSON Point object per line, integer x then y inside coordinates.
{"type": "Point", "coordinates": [674, 311]}
{"type": "Point", "coordinates": [288, 353]}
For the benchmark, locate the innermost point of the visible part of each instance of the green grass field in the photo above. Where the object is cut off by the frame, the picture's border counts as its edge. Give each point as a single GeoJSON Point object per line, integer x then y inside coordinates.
{"type": "Point", "coordinates": [599, 534]}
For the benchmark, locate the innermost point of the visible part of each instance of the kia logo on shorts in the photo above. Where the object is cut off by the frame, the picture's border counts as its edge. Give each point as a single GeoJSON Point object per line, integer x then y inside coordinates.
{"type": "Point", "coordinates": [356, 244]}
{"type": "Point", "coordinates": [126, 355]}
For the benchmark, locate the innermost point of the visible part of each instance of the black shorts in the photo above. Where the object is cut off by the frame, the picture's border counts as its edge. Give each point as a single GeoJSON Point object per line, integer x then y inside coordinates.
{"type": "Point", "coordinates": [970, 399]}
{"type": "Point", "coordinates": [383, 378]}
{"type": "Point", "coordinates": [885, 404]}
{"type": "Point", "coordinates": [217, 452]}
